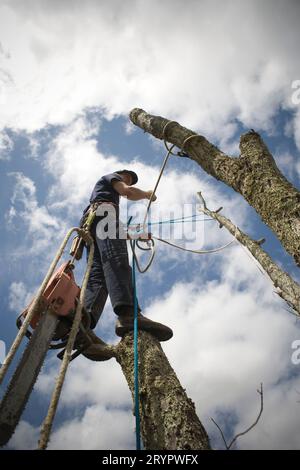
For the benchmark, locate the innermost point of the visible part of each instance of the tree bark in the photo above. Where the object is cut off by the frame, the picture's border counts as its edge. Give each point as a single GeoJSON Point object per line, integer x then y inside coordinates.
{"type": "Point", "coordinates": [168, 416]}
{"type": "Point", "coordinates": [253, 174]}
{"type": "Point", "coordinates": [285, 286]}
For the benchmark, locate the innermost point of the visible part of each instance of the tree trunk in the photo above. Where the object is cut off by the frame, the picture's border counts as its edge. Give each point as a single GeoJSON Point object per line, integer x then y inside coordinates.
{"type": "Point", "coordinates": [253, 174]}
{"type": "Point", "coordinates": [168, 416]}
{"type": "Point", "coordinates": [285, 286]}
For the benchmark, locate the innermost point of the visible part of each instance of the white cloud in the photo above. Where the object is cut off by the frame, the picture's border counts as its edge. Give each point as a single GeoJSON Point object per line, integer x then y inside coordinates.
{"type": "Point", "coordinates": [99, 428]}
{"type": "Point", "coordinates": [279, 423]}
{"type": "Point", "coordinates": [34, 145]}
{"type": "Point", "coordinates": [225, 62]}
{"type": "Point", "coordinates": [39, 231]}
{"type": "Point", "coordinates": [229, 336]}
{"type": "Point", "coordinates": [228, 340]}
{"type": "Point", "coordinates": [113, 391]}
{"type": "Point", "coordinates": [25, 438]}
{"type": "Point", "coordinates": [6, 145]}
{"type": "Point", "coordinates": [34, 219]}
{"type": "Point", "coordinates": [18, 296]}
{"type": "Point", "coordinates": [75, 163]}
{"type": "Point", "coordinates": [287, 164]}
{"type": "Point", "coordinates": [107, 421]}
{"type": "Point", "coordinates": [259, 95]}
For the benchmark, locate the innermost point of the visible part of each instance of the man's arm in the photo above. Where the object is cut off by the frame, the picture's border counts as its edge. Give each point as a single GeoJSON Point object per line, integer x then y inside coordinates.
{"type": "Point", "coordinates": [133, 194]}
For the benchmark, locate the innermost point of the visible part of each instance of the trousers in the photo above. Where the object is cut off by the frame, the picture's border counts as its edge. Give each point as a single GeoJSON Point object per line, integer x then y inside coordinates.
{"type": "Point", "coordinates": [111, 275]}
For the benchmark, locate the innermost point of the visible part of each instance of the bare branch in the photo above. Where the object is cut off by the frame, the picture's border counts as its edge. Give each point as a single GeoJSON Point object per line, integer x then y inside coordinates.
{"type": "Point", "coordinates": [221, 432]}
{"type": "Point", "coordinates": [228, 446]}
{"type": "Point", "coordinates": [202, 199]}
{"type": "Point", "coordinates": [261, 393]}
{"type": "Point", "coordinates": [286, 287]}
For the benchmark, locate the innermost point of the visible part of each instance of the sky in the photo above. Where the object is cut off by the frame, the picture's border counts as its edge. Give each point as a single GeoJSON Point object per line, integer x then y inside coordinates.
{"type": "Point", "coordinates": [70, 72]}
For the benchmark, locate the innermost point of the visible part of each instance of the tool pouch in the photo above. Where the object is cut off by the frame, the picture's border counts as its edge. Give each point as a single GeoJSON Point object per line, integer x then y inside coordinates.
{"type": "Point", "coordinates": [77, 247]}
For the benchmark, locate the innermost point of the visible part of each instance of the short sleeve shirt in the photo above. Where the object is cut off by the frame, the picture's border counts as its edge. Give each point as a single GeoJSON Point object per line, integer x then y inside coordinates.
{"type": "Point", "coordinates": [104, 191]}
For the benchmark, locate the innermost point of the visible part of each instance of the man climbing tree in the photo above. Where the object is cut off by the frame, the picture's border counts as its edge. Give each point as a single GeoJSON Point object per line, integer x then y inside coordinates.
{"type": "Point", "coordinates": [111, 272]}
{"type": "Point", "coordinates": [168, 416]}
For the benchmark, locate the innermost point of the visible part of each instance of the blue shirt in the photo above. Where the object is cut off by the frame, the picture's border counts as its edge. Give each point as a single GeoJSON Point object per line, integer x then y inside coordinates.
{"type": "Point", "coordinates": [104, 191]}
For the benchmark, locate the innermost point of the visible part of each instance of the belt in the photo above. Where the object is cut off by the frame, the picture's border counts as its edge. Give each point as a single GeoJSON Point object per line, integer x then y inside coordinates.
{"type": "Point", "coordinates": [94, 205]}
{"type": "Point", "coordinates": [86, 222]}
{"type": "Point", "coordinates": [91, 213]}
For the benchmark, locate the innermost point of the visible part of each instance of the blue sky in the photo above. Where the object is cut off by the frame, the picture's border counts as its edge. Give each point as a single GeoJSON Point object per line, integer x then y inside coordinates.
{"type": "Point", "coordinates": [65, 123]}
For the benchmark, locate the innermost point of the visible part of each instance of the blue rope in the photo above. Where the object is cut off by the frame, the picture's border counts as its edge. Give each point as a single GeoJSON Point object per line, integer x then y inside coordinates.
{"type": "Point", "coordinates": [136, 362]}
{"type": "Point", "coordinates": [173, 221]}
{"type": "Point", "coordinates": [181, 219]}
{"type": "Point", "coordinates": [178, 218]}
{"type": "Point", "coordinates": [177, 221]}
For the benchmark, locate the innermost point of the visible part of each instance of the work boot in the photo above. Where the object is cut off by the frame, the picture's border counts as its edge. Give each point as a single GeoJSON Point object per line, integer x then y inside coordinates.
{"type": "Point", "coordinates": [124, 325]}
{"type": "Point", "coordinates": [93, 348]}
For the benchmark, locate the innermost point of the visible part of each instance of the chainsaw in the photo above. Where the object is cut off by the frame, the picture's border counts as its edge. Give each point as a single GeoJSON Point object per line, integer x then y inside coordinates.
{"type": "Point", "coordinates": [48, 329]}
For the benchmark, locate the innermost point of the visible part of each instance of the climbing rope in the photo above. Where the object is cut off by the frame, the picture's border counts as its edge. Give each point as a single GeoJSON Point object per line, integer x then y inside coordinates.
{"type": "Point", "coordinates": [143, 225]}
{"type": "Point", "coordinates": [48, 422]}
{"type": "Point", "coordinates": [151, 247]}
{"type": "Point", "coordinates": [199, 252]}
{"type": "Point", "coordinates": [136, 360]}
{"type": "Point", "coordinates": [32, 311]}
{"type": "Point", "coordinates": [157, 183]}
{"type": "Point", "coordinates": [34, 307]}
{"type": "Point", "coordinates": [169, 152]}
{"type": "Point", "coordinates": [178, 220]}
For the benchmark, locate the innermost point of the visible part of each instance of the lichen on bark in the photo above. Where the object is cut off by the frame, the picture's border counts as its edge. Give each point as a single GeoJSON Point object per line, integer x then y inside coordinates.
{"type": "Point", "coordinates": [168, 417]}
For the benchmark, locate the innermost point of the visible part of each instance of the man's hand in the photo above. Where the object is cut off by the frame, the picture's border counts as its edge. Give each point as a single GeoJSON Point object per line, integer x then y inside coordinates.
{"type": "Point", "coordinates": [154, 197]}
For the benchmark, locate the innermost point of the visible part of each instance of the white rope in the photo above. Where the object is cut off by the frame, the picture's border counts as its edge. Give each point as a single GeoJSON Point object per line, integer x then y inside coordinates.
{"type": "Point", "coordinates": [48, 422]}
{"type": "Point", "coordinates": [152, 248]}
{"type": "Point", "coordinates": [199, 252]}
{"type": "Point", "coordinates": [202, 252]}
{"type": "Point", "coordinates": [34, 307]}
{"type": "Point", "coordinates": [157, 183]}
